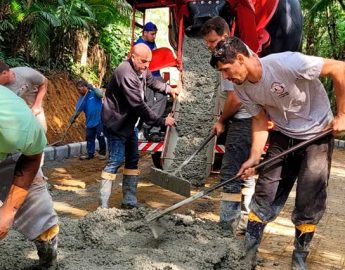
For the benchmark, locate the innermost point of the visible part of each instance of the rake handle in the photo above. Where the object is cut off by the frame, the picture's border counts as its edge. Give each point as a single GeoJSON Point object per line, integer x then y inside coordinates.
{"type": "Point", "coordinates": [74, 115]}
{"type": "Point", "coordinates": [265, 162]}
{"type": "Point", "coordinates": [220, 184]}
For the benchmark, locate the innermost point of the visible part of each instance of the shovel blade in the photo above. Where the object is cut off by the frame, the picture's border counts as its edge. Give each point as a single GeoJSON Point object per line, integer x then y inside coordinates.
{"type": "Point", "coordinates": [157, 225]}
{"type": "Point", "coordinates": [170, 182]}
{"type": "Point", "coordinates": [157, 228]}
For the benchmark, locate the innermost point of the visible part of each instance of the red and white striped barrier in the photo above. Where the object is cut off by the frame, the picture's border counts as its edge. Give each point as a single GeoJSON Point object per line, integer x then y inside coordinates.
{"type": "Point", "coordinates": [150, 146]}
{"type": "Point", "coordinates": [158, 147]}
{"type": "Point", "coordinates": [219, 148]}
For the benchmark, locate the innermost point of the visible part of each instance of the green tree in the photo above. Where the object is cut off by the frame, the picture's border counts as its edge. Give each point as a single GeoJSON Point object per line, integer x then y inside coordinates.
{"type": "Point", "coordinates": [63, 33]}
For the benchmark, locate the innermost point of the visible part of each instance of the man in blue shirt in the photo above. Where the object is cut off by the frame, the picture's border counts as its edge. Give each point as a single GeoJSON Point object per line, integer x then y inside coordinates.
{"type": "Point", "coordinates": [155, 100]}
{"type": "Point", "coordinates": [90, 102]}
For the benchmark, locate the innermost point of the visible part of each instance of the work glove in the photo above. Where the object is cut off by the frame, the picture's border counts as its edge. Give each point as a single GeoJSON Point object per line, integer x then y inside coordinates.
{"type": "Point", "coordinates": [8, 210]}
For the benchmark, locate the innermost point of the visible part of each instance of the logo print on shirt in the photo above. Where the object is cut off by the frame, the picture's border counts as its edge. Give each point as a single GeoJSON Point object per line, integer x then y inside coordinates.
{"type": "Point", "coordinates": [279, 89]}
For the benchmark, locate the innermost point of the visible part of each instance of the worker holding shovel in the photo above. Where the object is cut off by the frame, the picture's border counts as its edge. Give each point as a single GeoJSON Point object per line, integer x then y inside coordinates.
{"type": "Point", "coordinates": [286, 88]}
{"type": "Point", "coordinates": [236, 196]}
{"type": "Point", "coordinates": [90, 102]}
{"type": "Point", "coordinates": [124, 104]}
{"type": "Point", "coordinates": [24, 203]}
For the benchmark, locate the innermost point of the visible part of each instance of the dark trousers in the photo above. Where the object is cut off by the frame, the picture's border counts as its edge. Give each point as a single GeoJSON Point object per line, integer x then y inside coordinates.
{"type": "Point", "coordinates": [91, 134]}
{"type": "Point", "coordinates": [7, 168]}
{"type": "Point", "coordinates": [157, 102]}
{"type": "Point", "coordinates": [237, 149]}
{"type": "Point", "coordinates": [310, 166]}
{"type": "Point", "coordinates": [120, 150]}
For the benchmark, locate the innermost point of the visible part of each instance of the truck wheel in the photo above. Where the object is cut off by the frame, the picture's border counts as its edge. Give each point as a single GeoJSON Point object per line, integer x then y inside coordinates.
{"type": "Point", "coordinates": [156, 159]}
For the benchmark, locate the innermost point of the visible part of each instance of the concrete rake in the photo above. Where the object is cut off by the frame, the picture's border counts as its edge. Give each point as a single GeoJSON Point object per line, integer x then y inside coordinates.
{"type": "Point", "coordinates": [174, 178]}
{"type": "Point", "coordinates": [158, 227]}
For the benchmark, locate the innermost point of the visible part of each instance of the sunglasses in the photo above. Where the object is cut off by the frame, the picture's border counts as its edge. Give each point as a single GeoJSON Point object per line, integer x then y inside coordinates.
{"type": "Point", "coordinates": [220, 50]}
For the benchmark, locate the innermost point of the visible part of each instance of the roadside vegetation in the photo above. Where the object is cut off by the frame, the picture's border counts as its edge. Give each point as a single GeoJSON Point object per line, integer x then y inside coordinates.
{"type": "Point", "coordinates": [83, 37]}
{"type": "Point", "coordinates": [89, 38]}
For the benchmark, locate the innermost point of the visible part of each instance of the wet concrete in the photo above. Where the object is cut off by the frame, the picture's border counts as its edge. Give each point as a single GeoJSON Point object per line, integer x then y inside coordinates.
{"type": "Point", "coordinates": [119, 239]}
{"type": "Point", "coordinates": [122, 240]}
{"type": "Point", "coordinates": [196, 115]}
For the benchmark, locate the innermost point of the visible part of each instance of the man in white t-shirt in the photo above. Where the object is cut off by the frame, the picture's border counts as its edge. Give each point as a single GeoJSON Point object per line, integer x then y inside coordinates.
{"type": "Point", "coordinates": [236, 196]}
{"type": "Point", "coordinates": [286, 88]}
{"type": "Point", "coordinates": [30, 85]}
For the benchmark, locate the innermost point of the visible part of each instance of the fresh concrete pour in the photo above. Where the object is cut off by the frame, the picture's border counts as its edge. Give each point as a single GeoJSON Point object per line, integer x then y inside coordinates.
{"type": "Point", "coordinates": [196, 114]}
{"type": "Point", "coordinates": [121, 240]}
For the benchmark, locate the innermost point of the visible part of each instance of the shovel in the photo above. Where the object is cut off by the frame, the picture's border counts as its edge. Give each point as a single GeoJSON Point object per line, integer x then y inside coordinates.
{"type": "Point", "coordinates": [158, 228]}
{"type": "Point", "coordinates": [178, 183]}
{"type": "Point", "coordinates": [63, 134]}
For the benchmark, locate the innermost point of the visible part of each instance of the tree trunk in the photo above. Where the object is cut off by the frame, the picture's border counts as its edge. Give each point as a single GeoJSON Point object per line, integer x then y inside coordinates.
{"type": "Point", "coordinates": [332, 32]}
{"type": "Point", "coordinates": [98, 59]}
{"type": "Point", "coordinates": [310, 38]}
{"type": "Point", "coordinates": [342, 4]}
{"type": "Point", "coordinates": [81, 46]}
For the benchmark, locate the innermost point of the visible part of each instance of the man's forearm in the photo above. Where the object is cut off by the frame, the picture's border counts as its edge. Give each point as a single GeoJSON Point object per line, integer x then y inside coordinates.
{"type": "Point", "coordinates": [42, 90]}
{"type": "Point", "coordinates": [339, 88]}
{"type": "Point", "coordinates": [336, 70]}
{"type": "Point", "coordinates": [260, 135]}
{"type": "Point", "coordinates": [26, 170]}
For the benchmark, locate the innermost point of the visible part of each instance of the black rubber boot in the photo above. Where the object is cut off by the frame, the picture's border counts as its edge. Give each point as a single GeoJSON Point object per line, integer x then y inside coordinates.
{"type": "Point", "coordinates": [229, 216]}
{"type": "Point", "coordinates": [252, 240]}
{"type": "Point", "coordinates": [129, 191]}
{"type": "Point", "coordinates": [47, 253]}
{"type": "Point", "coordinates": [302, 247]}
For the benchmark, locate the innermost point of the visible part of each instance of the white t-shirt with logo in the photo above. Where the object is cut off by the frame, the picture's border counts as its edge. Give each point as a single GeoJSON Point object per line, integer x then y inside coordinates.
{"type": "Point", "coordinates": [26, 84]}
{"type": "Point", "coordinates": [290, 93]}
{"type": "Point", "coordinates": [227, 86]}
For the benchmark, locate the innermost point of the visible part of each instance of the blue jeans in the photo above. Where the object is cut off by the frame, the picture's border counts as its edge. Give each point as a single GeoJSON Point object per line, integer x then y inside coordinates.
{"type": "Point", "coordinates": [122, 149]}
{"type": "Point", "coordinates": [91, 134]}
